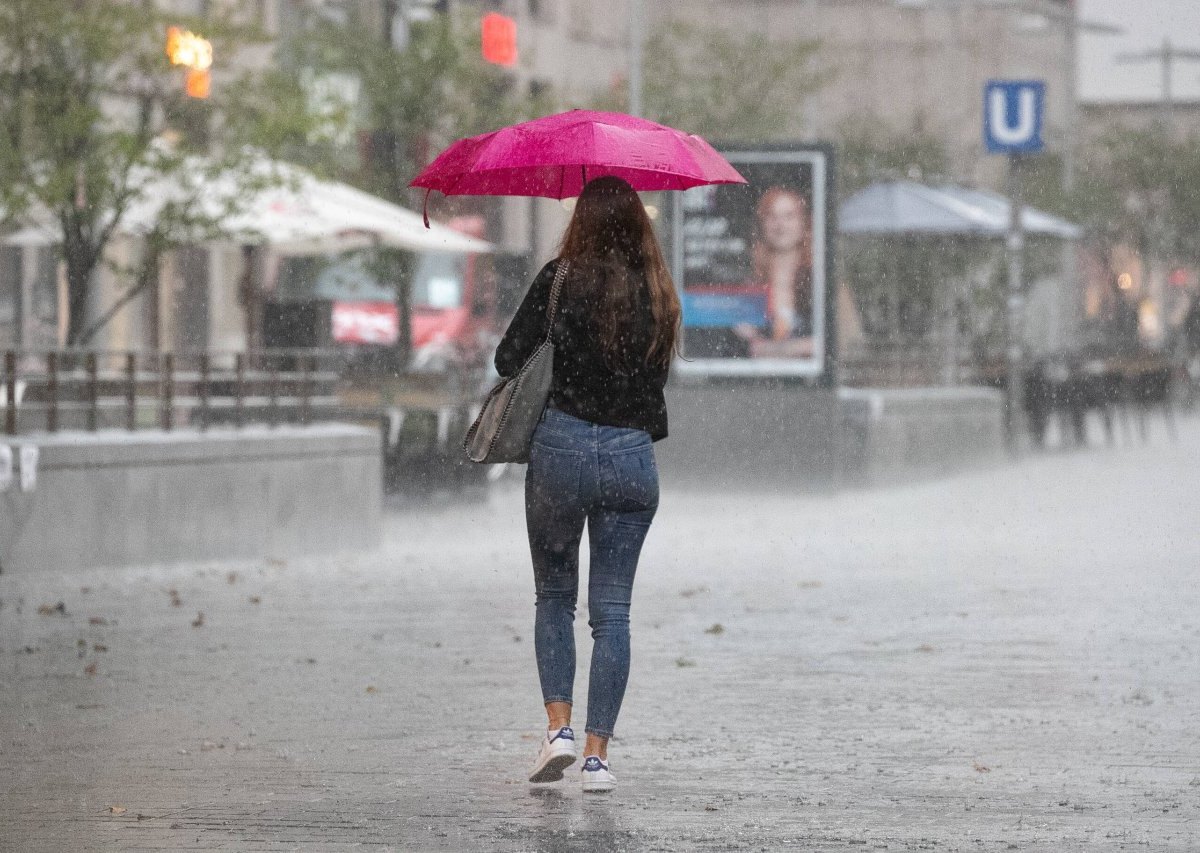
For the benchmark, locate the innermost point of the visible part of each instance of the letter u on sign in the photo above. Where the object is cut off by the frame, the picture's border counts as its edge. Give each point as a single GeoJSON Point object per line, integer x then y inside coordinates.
{"type": "Point", "coordinates": [1012, 116]}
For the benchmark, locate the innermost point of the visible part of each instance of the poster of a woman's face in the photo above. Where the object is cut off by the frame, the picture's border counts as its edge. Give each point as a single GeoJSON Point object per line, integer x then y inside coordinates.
{"type": "Point", "coordinates": [751, 264]}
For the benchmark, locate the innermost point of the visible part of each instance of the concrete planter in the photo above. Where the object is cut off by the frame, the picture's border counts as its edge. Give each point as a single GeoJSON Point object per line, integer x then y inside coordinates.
{"type": "Point", "coordinates": [116, 498]}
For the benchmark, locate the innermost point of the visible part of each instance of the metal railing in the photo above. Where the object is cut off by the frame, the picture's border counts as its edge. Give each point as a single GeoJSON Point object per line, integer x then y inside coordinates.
{"type": "Point", "coordinates": [883, 364]}
{"type": "Point", "coordinates": [91, 390]}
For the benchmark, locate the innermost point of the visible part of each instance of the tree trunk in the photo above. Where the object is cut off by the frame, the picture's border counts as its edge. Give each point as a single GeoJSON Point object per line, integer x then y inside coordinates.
{"type": "Point", "coordinates": [80, 264]}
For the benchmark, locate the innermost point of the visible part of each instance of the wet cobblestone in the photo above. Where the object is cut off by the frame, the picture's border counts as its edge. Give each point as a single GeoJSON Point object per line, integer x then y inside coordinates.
{"type": "Point", "coordinates": [1004, 660]}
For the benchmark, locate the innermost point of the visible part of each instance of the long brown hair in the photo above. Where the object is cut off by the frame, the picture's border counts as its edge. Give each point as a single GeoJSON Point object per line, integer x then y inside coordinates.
{"type": "Point", "coordinates": [610, 244]}
{"type": "Point", "coordinates": [762, 255]}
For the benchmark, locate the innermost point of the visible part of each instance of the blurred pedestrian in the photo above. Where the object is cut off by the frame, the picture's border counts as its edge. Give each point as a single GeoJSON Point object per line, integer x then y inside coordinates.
{"type": "Point", "coordinates": [592, 456]}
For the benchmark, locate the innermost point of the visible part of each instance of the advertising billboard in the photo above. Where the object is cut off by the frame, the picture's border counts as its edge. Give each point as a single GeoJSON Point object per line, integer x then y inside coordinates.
{"type": "Point", "coordinates": [753, 263]}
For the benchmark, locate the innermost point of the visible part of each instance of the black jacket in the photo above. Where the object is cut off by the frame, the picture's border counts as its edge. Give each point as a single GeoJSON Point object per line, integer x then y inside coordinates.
{"type": "Point", "coordinates": [584, 385]}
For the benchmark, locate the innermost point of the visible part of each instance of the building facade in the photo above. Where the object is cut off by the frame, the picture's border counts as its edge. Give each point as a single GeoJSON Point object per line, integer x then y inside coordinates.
{"type": "Point", "coordinates": [905, 66]}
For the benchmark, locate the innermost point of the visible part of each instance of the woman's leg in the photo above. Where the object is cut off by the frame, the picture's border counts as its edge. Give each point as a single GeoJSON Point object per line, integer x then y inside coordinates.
{"type": "Point", "coordinates": [616, 532]}
{"type": "Point", "coordinates": [554, 519]}
{"type": "Point", "coordinates": [616, 542]}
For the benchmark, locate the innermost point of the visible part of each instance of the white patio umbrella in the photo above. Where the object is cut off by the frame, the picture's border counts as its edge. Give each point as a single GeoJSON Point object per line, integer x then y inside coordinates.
{"type": "Point", "coordinates": [909, 208]}
{"type": "Point", "coordinates": [294, 213]}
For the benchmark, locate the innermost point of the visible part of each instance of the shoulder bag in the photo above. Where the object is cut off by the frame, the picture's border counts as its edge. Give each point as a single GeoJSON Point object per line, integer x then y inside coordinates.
{"type": "Point", "coordinates": [505, 425]}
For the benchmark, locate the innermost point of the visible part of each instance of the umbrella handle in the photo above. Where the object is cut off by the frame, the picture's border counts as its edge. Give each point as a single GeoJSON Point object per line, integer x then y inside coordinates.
{"type": "Point", "coordinates": [425, 208]}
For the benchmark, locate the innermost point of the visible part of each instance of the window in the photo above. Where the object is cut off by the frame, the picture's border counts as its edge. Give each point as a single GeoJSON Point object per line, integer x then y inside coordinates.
{"type": "Point", "coordinates": [438, 281]}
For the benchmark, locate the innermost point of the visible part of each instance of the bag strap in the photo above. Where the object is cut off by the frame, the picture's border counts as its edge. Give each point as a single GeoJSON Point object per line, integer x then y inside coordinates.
{"type": "Point", "coordinates": [560, 275]}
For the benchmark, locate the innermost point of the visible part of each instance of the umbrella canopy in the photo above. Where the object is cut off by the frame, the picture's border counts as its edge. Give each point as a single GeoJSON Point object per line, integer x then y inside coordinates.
{"type": "Point", "coordinates": [906, 207]}
{"type": "Point", "coordinates": [293, 212]}
{"type": "Point", "coordinates": [554, 156]}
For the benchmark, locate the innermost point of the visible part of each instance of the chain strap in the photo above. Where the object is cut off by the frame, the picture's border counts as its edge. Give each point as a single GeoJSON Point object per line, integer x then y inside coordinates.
{"type": "Point", "coordinates": [560, 275]}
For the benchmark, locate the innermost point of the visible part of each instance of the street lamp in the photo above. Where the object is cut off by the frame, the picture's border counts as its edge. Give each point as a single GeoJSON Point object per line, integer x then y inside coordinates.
{"type": "Point", "coordinates": [637, 41]}
{"type": "Point", "coordinates": [1166, 56]}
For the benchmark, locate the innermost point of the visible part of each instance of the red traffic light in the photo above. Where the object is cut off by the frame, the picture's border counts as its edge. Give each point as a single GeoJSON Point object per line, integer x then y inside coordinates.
{"type": "Point", "coordinates": [499, 39]}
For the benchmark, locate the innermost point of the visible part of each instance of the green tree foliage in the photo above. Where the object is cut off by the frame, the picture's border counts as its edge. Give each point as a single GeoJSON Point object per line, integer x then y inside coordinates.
{"type": "Point", "coordinates": [867, 151]}
{"type": "Point", "coordinates": [94, 123]}
{"type": "Point", "coordinates": [1142, 187]}
{"type": "Point", "coordinates": [900, 282]}
{"type": "Point", "coordinates": [415, 99]}
{"type": "Point", "coordinates": [722, 85]}
{"type": "Point", "coordinates": [410, 101]}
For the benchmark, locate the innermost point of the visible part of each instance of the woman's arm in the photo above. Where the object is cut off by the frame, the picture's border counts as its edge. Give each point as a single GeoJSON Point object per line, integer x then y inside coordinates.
{"type": "Point", "coordinates": [528, 326]}
{"type": "Point", "coordinates": [786, 348]}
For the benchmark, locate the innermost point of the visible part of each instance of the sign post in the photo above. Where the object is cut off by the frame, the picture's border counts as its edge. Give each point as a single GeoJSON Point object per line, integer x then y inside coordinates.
{"type": "Point", "coordinates": [1012, 124]}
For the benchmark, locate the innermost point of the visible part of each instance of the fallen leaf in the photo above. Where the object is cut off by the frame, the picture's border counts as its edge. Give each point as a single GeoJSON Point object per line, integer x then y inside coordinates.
{"type": "Point", "coordinates": [696, 590]}
{"type": "Point", "coordinates": [198, 622]}
{"type": "Point", "coordinates": [117, 809]}
{"type": "Point", "coordinates": [97, 620]}
{"type": "Point", "coordinates": [99, 647]}
{"type": "Point", "coordinates": [711, 808]}
{"type": "Point", "coordinates": [176, 601]}
{"type": "Point", "coordinates": [371, 688]}
{"type": "Point", "coordinates": [90, 669]}
{"type": "Point", "coordinates": [717, 628]}
{"type": "Point", "coordinates": [980, 768]}
{"type": "Point", "coordinates": [232, 577]}
{"type": "Point", "coordinates": [925, 647]}
{"type": "Point", "coordinates": [276, 562]}
{"type": "Point", "coordinates": [254, 599]}
{"type": "Point", "coordinates": [682, 662]}
{"type": "Point", "coordinates": [59, 609]}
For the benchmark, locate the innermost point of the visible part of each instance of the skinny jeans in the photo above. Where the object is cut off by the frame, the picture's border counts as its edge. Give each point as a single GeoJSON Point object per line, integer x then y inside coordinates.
{"type": "Point", "coordinates": [580, 472]}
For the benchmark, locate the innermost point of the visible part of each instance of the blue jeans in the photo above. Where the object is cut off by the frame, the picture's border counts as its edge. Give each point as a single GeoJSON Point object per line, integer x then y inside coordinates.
{"type": "Point", "coordinates": [605, 476]}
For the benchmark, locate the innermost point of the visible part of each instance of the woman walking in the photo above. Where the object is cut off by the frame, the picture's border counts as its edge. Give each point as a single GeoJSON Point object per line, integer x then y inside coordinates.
{"type": "Point", "coordinates": [592, 459]}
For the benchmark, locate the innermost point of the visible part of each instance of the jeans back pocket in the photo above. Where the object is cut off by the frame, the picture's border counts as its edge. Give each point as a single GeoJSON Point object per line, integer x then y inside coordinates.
{"type": "Point", "coordinates": [636, 477]}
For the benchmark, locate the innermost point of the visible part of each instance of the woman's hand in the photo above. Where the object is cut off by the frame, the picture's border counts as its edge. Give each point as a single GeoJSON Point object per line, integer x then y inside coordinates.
{"type": "Point", "coordinates": [787, 348]}
{"type": "Point", "coordinates": [747, 332]}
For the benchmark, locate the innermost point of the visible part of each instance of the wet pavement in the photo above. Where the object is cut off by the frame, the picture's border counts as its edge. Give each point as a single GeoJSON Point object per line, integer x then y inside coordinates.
{"type": "Point", "coordinates": [1004, 660]}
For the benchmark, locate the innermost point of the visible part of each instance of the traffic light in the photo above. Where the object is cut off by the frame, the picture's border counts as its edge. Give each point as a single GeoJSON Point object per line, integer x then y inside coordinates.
{"type": "Point", "coordinates": [199, 83]}
{"type": "Point", "coordinates": [499, 39]}
{"type": "Point", "coordinates": [196, 55]}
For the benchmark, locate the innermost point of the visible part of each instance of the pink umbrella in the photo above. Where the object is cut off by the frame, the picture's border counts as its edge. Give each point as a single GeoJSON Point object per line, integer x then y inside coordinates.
{"type": "Point", "coordinates": [554, 156]}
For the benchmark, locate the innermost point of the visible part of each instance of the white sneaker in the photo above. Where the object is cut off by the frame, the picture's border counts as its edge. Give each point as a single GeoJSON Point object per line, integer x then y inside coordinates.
{"type": "Point", "coordinates": [597, 778]}
{"type": "Point", "coordinates": [556, 754]}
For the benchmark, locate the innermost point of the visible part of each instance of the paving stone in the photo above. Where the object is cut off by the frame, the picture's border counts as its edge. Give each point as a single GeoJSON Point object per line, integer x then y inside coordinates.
{"type": "Point", "coordinates": [1004, 660]}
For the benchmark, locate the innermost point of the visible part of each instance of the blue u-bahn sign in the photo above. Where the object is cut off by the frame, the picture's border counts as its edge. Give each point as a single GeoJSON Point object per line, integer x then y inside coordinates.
{"type": "Point", "coordinates": [1012, 116]}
